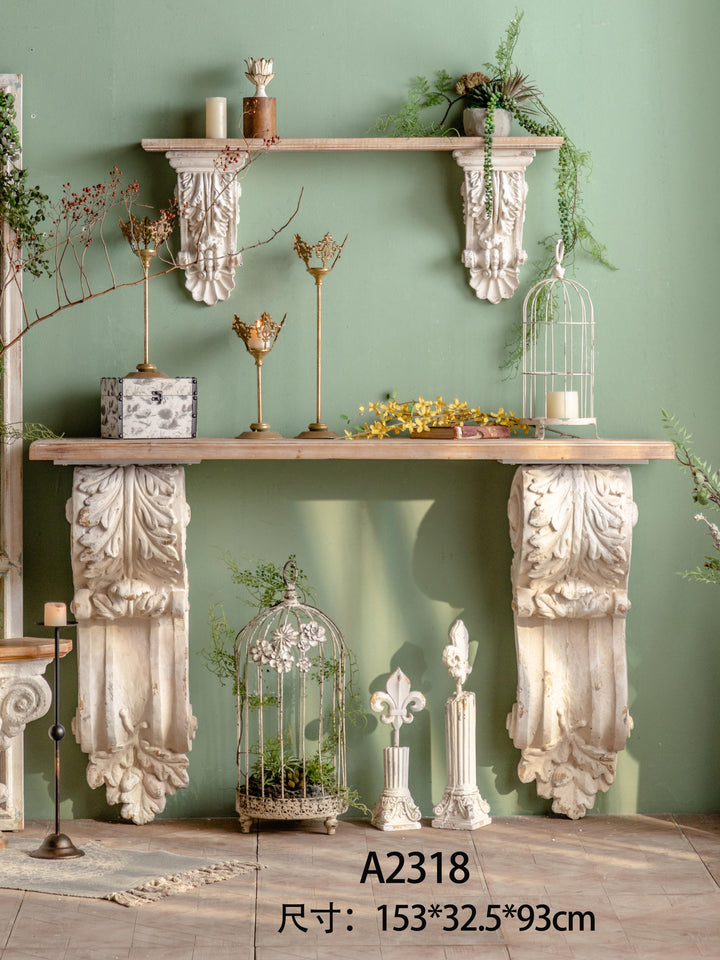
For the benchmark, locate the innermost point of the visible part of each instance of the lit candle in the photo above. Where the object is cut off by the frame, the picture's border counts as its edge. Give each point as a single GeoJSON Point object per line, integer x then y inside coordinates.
{"type": "Point", "coordinates": [55, 615]}
{"type": "Point", "coordinates": [562, 405]}
{"type": "Point", "coordinates": [256, 341]}
{"type": "Point", "coordinates": [216, 118]}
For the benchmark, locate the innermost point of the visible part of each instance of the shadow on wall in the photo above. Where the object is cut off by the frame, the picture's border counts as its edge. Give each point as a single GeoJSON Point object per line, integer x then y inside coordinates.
{"type": "Point", "coordinates": [467, 564]}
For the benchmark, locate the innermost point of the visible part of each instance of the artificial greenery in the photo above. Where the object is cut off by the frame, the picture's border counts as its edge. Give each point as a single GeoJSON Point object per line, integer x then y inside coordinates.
{"type": "Point", "coordinates": [276, 765]}
{"type": "Point", "coordinates": [276, 771]}
{"type": "Point", "coordinates": [505, 87]}
{"type": "Point", "coordinates": [262, 585]}
{"type": "Point", "coordinates": [705, 492]}
{"type": "Point", "coordinates": [22, 207]}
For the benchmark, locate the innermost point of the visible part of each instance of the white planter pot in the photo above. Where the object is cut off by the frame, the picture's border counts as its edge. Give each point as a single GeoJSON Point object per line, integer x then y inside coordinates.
{"type": "Point", "coordinates": [474, 122]}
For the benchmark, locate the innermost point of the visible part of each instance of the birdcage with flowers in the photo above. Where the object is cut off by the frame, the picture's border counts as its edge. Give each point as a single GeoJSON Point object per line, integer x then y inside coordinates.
{"type": "Point", "coordinates": [290, 662]}
{"type": "Point", "coordinates": [558, 352]}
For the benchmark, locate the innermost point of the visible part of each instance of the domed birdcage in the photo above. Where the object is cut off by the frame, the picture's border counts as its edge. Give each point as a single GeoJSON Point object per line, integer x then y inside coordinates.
{"type": "Point", "coordinates": [290, 662]}
{"type": "Point", "coordinates": [558, 352]}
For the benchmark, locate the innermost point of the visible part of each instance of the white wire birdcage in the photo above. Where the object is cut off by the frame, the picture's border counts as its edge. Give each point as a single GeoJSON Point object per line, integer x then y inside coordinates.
{"type": "Point", "coordinates": [290, 662]}
{"type": "Point", "coordinates": [558, 352]}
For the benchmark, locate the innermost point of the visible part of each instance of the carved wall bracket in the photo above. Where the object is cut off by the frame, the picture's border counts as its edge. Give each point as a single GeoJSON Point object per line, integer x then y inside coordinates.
{"type": "Point", "coordinates": [208, 194]}
{"type": "Point", "coordinates": [128, 554]}
{"type": "Point", "coordinates": [571, 531]}
{"type": "Point", "coordinates": [493, 246]}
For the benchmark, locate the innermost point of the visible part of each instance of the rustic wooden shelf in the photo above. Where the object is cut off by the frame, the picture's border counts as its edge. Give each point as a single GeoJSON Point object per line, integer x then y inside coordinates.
{"type": "Point", "coordinates": [32, 648]}
{"type": "Point", "coordinates": [511, 450]}
{"type": "Point", "coordinates": [367, 144]}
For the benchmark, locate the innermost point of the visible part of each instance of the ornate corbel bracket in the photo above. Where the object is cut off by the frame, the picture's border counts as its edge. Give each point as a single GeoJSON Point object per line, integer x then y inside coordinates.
{"type": "Point", "coordinates": [208, 194]}
{"type": "Point", "coordinates": [493, 245]}
{"type": "Point", "coordinates": [134, 718]}
{"type": "Point", "coordinates": [571, 531]}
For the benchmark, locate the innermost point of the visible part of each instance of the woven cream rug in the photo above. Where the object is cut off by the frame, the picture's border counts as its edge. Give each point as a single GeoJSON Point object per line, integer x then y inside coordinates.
{"type": "Point", "coordinates": [132, 878]}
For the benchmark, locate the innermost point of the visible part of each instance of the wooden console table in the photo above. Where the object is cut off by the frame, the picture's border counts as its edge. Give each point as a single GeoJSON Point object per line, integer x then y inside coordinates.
{"type": "Point", "coordinates": [571, 516]}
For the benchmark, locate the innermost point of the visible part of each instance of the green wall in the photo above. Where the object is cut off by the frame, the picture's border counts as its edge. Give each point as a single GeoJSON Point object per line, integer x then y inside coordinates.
{"type": "Point", "coordinates": [395, 551]}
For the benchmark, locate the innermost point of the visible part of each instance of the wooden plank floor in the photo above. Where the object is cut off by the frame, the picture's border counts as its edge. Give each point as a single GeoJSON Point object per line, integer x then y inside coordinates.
{"type": "Point", "coordinates": [650, 883]}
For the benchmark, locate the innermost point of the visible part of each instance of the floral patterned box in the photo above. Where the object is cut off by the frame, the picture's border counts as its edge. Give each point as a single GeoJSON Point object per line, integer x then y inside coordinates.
{"type": "Point", "coordinates": [148, 408]}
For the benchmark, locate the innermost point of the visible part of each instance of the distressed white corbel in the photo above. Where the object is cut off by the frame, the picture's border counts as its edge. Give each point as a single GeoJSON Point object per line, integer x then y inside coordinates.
{"type": "Point", "coordinates": [571, 531]}
{"type": "Point", "coordinates": [208, 194]}
{"type": "Point", "coordinates": [493, 245]}
{"type": "Point", "coordinates": [134, 718]}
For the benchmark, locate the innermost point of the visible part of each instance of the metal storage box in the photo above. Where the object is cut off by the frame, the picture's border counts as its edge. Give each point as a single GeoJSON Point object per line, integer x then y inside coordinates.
{"type": "Point", "coordinates": [148, 408]}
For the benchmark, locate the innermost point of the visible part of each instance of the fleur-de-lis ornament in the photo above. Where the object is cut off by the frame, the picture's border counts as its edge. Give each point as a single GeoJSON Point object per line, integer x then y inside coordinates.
{"type": "Point", "coordinates": [399, 699]}
{"type": "Point", "coordinates": [455, 655]}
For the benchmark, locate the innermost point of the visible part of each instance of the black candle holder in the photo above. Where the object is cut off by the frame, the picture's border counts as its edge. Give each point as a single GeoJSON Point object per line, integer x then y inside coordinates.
{"type": "Point", "coordinates": [57, 846]}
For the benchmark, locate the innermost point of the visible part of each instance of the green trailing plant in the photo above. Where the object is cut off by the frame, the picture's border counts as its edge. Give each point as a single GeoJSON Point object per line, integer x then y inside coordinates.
{"type": "Point", "coordinates": [705, 492]}
{"type": "Point", "coordinates": [505, 87]}
{"type": "Point", "coordinates": [23, 207]}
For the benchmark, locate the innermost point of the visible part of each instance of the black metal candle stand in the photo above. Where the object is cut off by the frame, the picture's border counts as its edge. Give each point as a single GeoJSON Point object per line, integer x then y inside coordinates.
{"type": "Point", "coordinates": [57, 846]}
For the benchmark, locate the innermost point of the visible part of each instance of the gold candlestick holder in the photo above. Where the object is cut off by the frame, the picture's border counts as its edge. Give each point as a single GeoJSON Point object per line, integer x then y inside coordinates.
{"type": "Point", "coordinates": [259, 339]}
{"type": "Point", "coordinates": [325, 250]}
{"type": "Point", "coordinates": [144, 237]}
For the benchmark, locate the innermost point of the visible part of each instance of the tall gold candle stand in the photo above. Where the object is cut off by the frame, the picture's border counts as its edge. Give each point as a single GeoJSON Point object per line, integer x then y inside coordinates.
{"type": "Point", "coordinates": [325, 250]}
{"type": "Point", "coordinates": [259, 339]}
{"type": "Point", "coordinates": [144, 236]}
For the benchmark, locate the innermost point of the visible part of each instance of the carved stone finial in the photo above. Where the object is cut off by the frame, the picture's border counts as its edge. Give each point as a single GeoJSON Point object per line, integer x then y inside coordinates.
{"type": "Point", "coordinates": [455, 655]}
{"type": "Point", "coordinates": [461, 806]}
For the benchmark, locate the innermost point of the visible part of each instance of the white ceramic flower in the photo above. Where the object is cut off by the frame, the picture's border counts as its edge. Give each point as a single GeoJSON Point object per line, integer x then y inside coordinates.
{"type": "Point", "coordinates": [304, 664]}
{"type": "Point", "coordinates": [260, 72]}
{"type": "Point", "coordinates": [282, 664]}
{"type": "Point", "coordinates": [311, 634]}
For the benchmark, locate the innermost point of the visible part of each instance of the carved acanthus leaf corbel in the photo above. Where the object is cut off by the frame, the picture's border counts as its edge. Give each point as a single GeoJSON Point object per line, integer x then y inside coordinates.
{"type": "Point", "coordinates": [571, 531]}
{"type": "Point", "coordinates": [493, 245]}
{"type": "Point", "coordinates": [208, 194]}
{"type": "Point", "coordinates": [134, 718]}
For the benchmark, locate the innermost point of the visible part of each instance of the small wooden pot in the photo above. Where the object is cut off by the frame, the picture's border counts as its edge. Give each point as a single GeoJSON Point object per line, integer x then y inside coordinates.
{"type": "Point", "coordinates": [259, 118]}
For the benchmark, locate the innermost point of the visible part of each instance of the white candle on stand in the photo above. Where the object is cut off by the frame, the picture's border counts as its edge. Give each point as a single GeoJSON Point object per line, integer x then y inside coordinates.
{"type": "Point", "coordinates": [256, 341]}
{"type": "Point", "coordinates": [55, 615]}
{"type": "Point", "coordinates": [562, 405]}
{"type": "Point", "coordinates": [216, 118]}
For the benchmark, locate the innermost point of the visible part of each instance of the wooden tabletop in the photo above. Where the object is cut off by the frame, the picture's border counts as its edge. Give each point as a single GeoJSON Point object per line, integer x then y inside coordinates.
{"type": "Point", "coordinates": [511, 450]}
{"type": "Point", "coordinates": [32, 648]}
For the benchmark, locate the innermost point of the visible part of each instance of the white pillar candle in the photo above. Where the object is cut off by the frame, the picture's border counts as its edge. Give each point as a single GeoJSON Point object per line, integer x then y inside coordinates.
{"type": "Point", "coordinates": [216, 118]}
{"type": "Point", "coordinates": [55, 615]}
{"type": "Point", "coordinates": [562, 405]}
{"type": "Point", "coordinates": [256, 341]}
